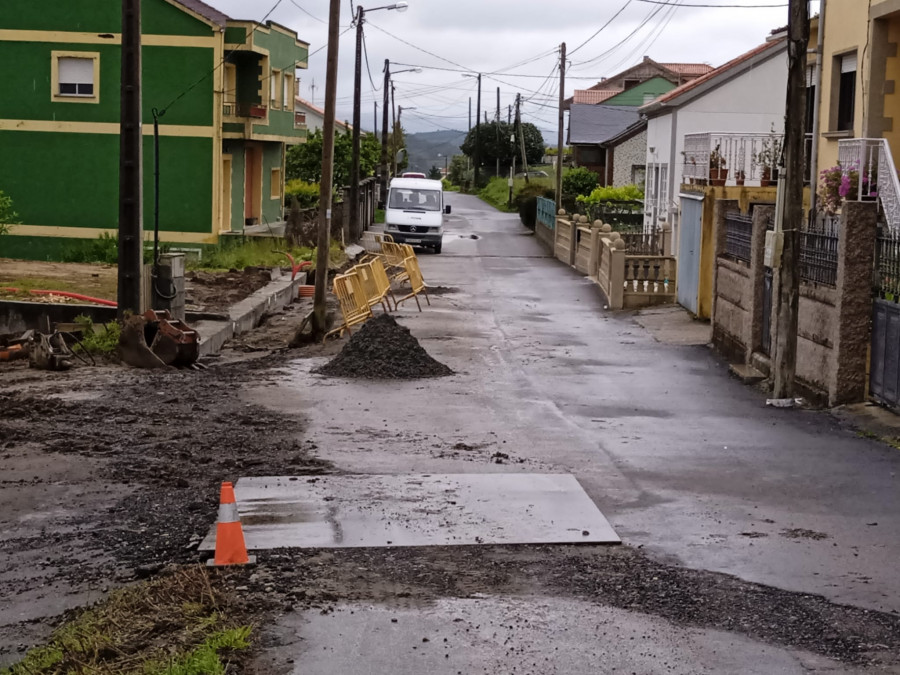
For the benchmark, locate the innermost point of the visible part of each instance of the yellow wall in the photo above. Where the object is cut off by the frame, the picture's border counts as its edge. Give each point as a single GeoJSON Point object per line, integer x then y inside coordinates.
{"type": "Point", "coordinates": [892, 100]}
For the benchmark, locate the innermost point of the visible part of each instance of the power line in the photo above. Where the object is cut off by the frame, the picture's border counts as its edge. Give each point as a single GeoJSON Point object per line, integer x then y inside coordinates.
{"type": "Point", "coordinates": [653, 12]}
{"type": "Point", "coordinates": [710, 6]}
{"type": "Point", "coordinates": [599, 30]}
{"type": "Point", "coordinates": [368, 69]}
{"type": "Point", "coordinates": [312, 16]}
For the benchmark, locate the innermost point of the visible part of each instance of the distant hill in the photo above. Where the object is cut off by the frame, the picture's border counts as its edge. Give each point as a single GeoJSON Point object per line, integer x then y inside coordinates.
{"type": "Point", "coordinates": [429, 148]}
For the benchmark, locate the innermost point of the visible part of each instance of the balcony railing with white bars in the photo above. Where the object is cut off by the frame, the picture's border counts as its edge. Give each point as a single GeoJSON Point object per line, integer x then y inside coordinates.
{"type": "Point", "coordinates": [869, 166]}
{"type": "Point", "coordinates": [732, 158]}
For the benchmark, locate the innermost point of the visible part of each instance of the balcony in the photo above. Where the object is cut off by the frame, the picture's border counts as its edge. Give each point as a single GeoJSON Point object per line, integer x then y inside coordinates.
{"type": "Point", "coordinates": [871, 160]}
{"type": "Point", "coordinates": [300, 121]}
{"type": "Point", "coordinates": [240, 109]}
{"type": "Point", "coordinates": [735, 158]}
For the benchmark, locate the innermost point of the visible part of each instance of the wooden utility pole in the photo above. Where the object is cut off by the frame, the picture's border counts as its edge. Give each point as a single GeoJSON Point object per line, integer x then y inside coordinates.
{"type": "Point", "coordinates": [357, 92]}
{"type": "Point", "coordinates": [319, 321]}
{"type": "Point", "coordinates": [521, 134]}
{"type": "Point", "coordinates": [131, 162]}
{"type": "Point", "coordinates": [477, 158]}
{"type": "Point", "coordinates": [788, 298]}
{"type": "Point", "coordinates": [559, 136]}
{"type": "Point", "coordinates": [497, 122]}
{"type": "Point", "coordinates": [385, 179]}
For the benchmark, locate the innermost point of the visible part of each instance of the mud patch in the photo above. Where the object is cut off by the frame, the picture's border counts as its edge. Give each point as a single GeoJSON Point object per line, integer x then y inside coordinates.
{"type": "Point", "coordinates": [220, 290]}
{"type": "Point", "coordinates": [442, 290]}
{"type": "Point", "coordinates": [800, 533]}
{"type": "Point", "coordinates": [383, 350]}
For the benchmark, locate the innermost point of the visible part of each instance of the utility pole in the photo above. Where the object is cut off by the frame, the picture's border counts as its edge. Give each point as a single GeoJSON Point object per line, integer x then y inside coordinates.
{"type": "Point", "coordinates": [375, 119]}
{"type": "Point", "coordinates": [559, 137]}
{"type": "Point", "coordinates": [470, 113]}
{"type": "Point", "coordinates": [497, 125]}
{"type": "Point", "coordinates": [393, 129]}
{"type": "Point", "coordinates": [477, 138]}
{"type": "Point", "coordinates": [312, 92]}
{"type": "Point", "coordinates": [131, 198]}
{"type": "Point", "coordinates": [319, 319]}
{"type": "Point", "coordinates": [521, 135]}
{"type": "Point", "coordinates": [384, 130]}
{"type": "Point", "coordinates": [354, 162]}
{"type": "Point", "coordinates": [509, 115]}
{"type": "Point", "coordinates": [791, 203]}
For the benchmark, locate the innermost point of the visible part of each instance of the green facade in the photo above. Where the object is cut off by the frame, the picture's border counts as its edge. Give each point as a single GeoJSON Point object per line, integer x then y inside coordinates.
{"type": "Point", "coordinates": [64, 172]}
{"type": "Point", "coordinates": [655, 86]}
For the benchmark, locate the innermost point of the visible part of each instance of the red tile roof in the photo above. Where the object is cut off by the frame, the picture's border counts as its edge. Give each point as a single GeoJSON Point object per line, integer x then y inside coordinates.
{"type": "Point", "coordinates": [688, 86]}
{"type": "Point", "coordinates": [594, 95]}
{"type": "Point", "coordinates": [688, 68]}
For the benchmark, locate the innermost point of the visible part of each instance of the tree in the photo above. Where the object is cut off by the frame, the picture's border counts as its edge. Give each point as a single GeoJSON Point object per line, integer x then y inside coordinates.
{"type": "Point", "coordinates": [304, 161]}
{"type": "Point", "coordinates": [496, 144]}
{"type": "Point", "coordinates": [7, 215]}
{"type": "Point", "coordinates": [459, 169]}
{"type": "Point", "coordinates": [434, 173]}
{"type": "Point", "coordinates": [395, 146]}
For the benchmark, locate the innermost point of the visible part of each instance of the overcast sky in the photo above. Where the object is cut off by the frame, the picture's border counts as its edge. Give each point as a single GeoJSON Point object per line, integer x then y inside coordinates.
{"type": "Point", "coordinates": [515, 41]}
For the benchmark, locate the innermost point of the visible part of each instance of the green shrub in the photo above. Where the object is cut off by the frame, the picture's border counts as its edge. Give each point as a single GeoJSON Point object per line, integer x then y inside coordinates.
{"type": "Point", "coordinates": [627, 193]}
{"type": "Point", "coordinates": [307, 194]}
{"type": "Point", "coordinates": [525, 202]}
{"type": "Point", "coordinates": [7, 215]}
{"type": "Point", "coordinates": [579, 181]}
{"type": "Point", "coordinates": [96, 341]}
{"type": "Point", "coordinates": [103, 249]}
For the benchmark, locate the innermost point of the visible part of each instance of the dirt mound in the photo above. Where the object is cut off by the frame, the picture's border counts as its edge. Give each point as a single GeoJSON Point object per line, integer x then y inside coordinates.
{"type": "Point", "coordinates": [383, 349]}
{"type": "Point", "coordinates": [220, 290]}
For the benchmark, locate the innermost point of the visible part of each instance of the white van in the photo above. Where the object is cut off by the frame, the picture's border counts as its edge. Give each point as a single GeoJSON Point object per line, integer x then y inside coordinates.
{"type": "Point", "coordinates": [414, 212]}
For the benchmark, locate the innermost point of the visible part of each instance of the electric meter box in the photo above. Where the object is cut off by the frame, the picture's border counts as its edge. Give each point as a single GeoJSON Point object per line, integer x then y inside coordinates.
{"type": "Point", "coordinates": [774, 245]}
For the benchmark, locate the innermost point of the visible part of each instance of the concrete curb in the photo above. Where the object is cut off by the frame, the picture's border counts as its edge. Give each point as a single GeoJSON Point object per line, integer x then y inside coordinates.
{"type": "Point", "coordinates": [244, 315]}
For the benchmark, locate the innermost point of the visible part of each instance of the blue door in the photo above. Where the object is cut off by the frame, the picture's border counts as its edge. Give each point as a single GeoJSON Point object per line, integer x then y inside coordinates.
{"type": "Point", "coordinates": [688, 283]}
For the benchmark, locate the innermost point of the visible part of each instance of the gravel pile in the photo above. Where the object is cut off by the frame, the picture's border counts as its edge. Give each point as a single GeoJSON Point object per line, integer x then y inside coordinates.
{"type": "Point", "coordinates": [383, 350]}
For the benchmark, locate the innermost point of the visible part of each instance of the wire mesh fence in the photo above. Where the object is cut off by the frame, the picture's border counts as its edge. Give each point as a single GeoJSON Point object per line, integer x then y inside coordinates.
{"type": "Point", "coordinates": [738, 234]}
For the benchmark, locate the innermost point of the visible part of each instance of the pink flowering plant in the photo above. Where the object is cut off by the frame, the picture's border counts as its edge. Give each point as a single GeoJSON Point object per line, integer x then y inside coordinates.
{"type": "Point", "coordinates": [836, 185]}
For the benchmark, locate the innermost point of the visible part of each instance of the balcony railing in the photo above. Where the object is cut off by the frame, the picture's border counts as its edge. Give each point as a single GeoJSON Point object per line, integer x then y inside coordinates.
{"type": "Point", "coordinates": [734, 158]}
{"type": "Point", "coordinates": [869, 166]}
{"type": "Point", "coordinates": [240, 109]}
{"type": "Point", "coordinates": [299, 120]}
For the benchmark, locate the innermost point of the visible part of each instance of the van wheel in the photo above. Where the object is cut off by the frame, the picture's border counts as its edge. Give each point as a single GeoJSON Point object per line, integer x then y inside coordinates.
{"type": "Point", "coordinates": [437, 248]}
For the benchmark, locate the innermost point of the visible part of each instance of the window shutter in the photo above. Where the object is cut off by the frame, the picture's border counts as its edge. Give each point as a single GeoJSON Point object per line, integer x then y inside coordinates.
{"type": "Point", "coordinates": [810, 76]}
{"type": "Point", "coordinates": [76, 71]}
{"type": "Point", "coordinates": [848, 63]}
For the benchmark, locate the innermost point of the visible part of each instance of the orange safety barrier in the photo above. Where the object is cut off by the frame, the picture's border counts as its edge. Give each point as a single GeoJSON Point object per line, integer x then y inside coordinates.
{"type": "Point", "coordinates": [416, 282]}
{"type": "Point", "coordinates": [230, 546]}
{"type": "Point", "coordinates": [354, 304]}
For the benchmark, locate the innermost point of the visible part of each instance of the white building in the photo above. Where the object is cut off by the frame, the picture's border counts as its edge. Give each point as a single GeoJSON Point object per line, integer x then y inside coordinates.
{"type": "Point", "coordinates": [734, 112]}
{"type": "Point", "coordinates": [305, 113]}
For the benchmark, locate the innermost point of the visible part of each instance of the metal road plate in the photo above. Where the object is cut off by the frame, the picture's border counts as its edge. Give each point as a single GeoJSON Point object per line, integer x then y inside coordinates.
{"type": "Point", "coordinates": [416, 510]}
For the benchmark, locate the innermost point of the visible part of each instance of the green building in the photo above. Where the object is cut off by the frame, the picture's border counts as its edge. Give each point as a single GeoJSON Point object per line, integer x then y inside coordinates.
{"type": "Point", "coordinates": [226, 87]}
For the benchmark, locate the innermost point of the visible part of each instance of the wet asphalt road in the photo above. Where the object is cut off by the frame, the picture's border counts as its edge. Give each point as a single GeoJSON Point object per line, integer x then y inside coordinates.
{"type": "Point", "coordinates": [682, 459]}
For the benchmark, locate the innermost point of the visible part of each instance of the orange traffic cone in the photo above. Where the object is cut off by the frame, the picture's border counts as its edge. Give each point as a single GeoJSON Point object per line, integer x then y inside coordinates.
{"type": "Point", "coordinates": [230, 546]}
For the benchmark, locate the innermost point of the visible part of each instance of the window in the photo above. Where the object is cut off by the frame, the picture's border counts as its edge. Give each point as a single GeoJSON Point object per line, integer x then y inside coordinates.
{"type": "Point", "coordinates": [275, 88]}
{"type": "Point", "coordinates": [275, 187]}
{"type": "Point", "coordinates": [638, 175]}
{"type": "Point", "coordinates": [628, 84]}
{"type": "Point", "coordinates": [288, 91]}
{"type": "Point", "coordinates": [413, 199]}
{"type": "Point", "coordinates": [75, 77]}
{"type": "Point", "coordinates": [846, 91]}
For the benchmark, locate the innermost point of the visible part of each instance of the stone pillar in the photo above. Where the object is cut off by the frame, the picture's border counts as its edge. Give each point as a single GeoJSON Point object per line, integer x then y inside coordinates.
{"type": "Point", "coordinates": [616, 277]}
{"type": "Point", "coordinates": [720, 208]}
{"type": "Point", "coordinates": [762, 216]}
{"type": "Point", "coordinates": [666, 234]}
{"type": "Point", "coordinates": [856, 252]}
{"type": "Point", "coordinates": [594, 264]}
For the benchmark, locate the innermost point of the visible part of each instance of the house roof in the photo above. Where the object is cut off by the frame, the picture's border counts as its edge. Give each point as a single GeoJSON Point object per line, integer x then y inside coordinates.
{"type": "Point", "coordinates": [593, 96]}
{"type": "Point", "coordinates": [303, 103]}
{"type": "Point", "coordinates": [597, 124]}
{"type": "Point", "coordinates": [688, 68]}
{"type": "Point", "coordinates": [715, 77]}
{"type": "Point", "coordinates": [209, 13]}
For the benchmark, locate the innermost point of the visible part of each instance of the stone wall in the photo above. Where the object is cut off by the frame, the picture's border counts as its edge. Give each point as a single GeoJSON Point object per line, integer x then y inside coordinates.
{"type": "Point", "coordinates": [833, 331]}
{"type": "Point", "coordinates": [628, 155]}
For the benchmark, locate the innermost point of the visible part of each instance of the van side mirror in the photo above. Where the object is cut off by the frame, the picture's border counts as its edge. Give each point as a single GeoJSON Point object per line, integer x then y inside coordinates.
{"type": "Point", "coordinates": [447, 209]}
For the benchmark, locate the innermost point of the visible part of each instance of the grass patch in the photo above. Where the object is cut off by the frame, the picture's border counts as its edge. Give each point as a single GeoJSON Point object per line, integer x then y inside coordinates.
{"type": "Point", "coordinates": [236, 254]}
{"type": "Point", "coordinates": [379, 215]}
{"type": "Point", "coordinates": [98, 340]}
{"type": "Point", "coordinates": [181, 624]}
{"type": "Point", "coordinates": [496, 193]}
{"type": "Point", "coordinates": [892, 441]}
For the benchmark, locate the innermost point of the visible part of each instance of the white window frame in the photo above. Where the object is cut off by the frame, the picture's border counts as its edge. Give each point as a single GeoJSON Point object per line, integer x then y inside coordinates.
{"type": "Point", "coordinates": [274, 89]}
{"type": "Point", "coordinates": [55, 95]}
{"type": "Point", "coordinates": [287, 91]}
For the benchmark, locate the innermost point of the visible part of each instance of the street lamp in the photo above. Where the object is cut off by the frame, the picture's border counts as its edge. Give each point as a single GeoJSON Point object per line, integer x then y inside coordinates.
{"type": "Point", "coordinates": [477, 153]}
{"type": "Point", "coordinates": [357, 87]}
{"type": "Point", "coordinates": [383, 170]}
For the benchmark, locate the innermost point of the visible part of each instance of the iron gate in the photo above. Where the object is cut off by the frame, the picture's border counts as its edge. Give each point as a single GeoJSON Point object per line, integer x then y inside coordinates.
{"type": "Point", "coordinates": [688, 285]}
{"type": "Point", "coordinates": [884, 368]}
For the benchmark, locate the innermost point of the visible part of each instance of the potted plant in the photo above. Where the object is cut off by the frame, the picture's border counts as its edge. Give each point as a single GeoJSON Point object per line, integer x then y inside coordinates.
{"type": "Point", "coordinates": [768, 158]}
{"type": "Point", "coordinates": [739, 177]}
{"type": "Point", "coordinates": [718, 173]}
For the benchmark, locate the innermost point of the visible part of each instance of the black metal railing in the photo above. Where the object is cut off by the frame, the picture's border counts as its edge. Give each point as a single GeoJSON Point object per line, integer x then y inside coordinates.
{"type": "Point", "coordinates": [886, 281]}
{"type": "Point", "coordinates": [738, 234]}
{"type": "Point", "coordinates": [819, 252]}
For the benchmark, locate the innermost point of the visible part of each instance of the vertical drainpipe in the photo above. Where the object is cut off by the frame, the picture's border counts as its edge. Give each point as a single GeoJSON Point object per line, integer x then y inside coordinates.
{"type": "Point", "coordinates": [814, 150]}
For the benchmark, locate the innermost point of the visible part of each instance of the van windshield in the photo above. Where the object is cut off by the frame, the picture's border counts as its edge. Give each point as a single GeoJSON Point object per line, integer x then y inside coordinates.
{"type": "Point", "coordinates": [411, 199]}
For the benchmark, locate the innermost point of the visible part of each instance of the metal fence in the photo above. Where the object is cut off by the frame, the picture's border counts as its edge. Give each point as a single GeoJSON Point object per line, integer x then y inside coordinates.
{"type": "Point", "coordinates": [546, 212]}
{"type": "Point", "coordinates": [622, 216]}
{"type": "Point", "coordinates": [886, 280]}
{"type": "Point", "coordinates": [738, 233]}
{"type": "Point", "coordinates": [819, 251]}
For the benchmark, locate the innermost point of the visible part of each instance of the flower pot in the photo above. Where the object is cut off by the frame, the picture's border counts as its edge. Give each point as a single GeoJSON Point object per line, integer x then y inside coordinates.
{"type": "Point", "coordinates": [718, 177]}
{"type": "Point", "coordinates": [764, 182]}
